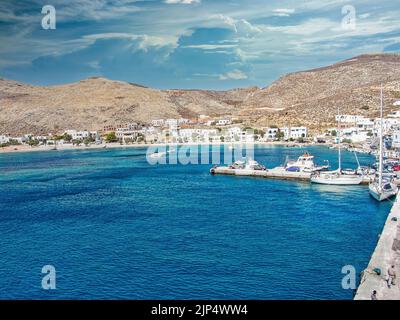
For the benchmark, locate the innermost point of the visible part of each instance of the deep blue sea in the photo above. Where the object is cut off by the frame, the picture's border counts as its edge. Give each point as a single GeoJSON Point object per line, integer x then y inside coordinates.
{"type": "Point", "coordinates": [115, 227]}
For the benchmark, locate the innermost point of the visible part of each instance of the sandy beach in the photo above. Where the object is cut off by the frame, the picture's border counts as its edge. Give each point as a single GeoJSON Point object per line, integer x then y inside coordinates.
{"type": "Point", "coordinates": [26, 148]}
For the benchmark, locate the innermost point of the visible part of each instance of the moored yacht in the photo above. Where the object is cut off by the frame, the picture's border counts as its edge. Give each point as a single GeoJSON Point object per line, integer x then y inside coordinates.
{"type": "Point", "coordinates": [304, 163]}
{"type": "Point", "coordinates": [382, 189]}
{"type": "Point", "coordinates": [337, 177]}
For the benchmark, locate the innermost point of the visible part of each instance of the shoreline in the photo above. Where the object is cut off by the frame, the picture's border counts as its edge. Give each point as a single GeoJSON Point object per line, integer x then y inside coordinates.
{"type": "Point", "coordinates": [26, 148]}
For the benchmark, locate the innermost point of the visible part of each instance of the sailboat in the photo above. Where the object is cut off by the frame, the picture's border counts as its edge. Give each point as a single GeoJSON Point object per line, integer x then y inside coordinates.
{"type": "Point", "coordinates": [336, 177]}
{"type": "Point", "coordinates": [382, 189]}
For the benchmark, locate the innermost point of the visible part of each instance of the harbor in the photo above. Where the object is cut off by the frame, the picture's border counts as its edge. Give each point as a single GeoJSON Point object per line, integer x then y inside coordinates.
{"type": "Point", "coordinates": [302, 169]}
{"type": "Point", "coordinates": [120, 213]}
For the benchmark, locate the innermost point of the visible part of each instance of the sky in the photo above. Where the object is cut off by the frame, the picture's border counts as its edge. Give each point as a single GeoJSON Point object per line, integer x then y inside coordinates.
{"type": "Point", "coordinates": [189, 44]}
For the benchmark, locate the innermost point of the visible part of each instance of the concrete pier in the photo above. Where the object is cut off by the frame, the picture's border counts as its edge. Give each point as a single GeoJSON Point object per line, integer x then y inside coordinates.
{"type": "Point", "coordinates": [387, 253]}
{"type": "Point", "coordinates": [276, 173]}
{"type": "Point", "coordinates": [271, 173]}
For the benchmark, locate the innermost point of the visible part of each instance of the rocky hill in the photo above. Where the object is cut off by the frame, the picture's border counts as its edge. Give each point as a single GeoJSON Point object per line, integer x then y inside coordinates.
{"type": "Point", "coordinates": [310, 98]}
{"type": "Point", "coordinates": [314, 97]}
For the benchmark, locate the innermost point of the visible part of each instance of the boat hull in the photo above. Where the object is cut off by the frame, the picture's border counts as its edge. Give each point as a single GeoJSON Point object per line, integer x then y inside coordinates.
{"type": "Point", "coordinates": [343, 180]}
{"type": "Point", "coordinates": [381, 195]}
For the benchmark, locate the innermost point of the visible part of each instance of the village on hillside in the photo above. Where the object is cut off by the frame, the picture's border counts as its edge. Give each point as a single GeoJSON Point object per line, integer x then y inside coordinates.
{"type": "Point", "coordinates": [356, 131]}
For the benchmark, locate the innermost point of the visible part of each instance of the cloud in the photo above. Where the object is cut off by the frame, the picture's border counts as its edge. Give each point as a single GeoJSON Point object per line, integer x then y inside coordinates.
{"type": "Point", "coordinates": [241, 27]}
{"type": "Point", "coordinates": [283, 12]}
{"type": "Point", "coordinates": [211, 46]}
{"type": "Point", "coordinates": [181, 1]}
{"type": "Point", "coordinates": [233, 75]}
{"type": "Point", "coordinates": [144, 40]}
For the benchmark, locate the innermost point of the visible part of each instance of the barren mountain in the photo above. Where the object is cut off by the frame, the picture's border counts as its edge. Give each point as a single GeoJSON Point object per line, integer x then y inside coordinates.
{"type": "Point", "coordinates": [314, 97]}
{"type": "Point", "coordinates": [310, 98]}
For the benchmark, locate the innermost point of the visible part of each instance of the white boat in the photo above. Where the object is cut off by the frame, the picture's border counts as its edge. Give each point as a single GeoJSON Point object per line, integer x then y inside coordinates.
{"type": "Point", "coordinates": [382, 189]}
{"type": "Point", "coordinates": [238, 165]}
{"type": "Point", "coordinates": [246, 168]}
{"type": "Point", "coordinates": [254, 165]}
{"type": "Point", "coordinates": [337, 177]}
{"type": "Point", "coordinates": [304, 163]}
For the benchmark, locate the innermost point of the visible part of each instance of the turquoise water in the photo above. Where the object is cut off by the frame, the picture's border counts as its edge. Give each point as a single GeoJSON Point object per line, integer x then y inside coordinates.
{"type": "Point", "coordinates": [115, 227]}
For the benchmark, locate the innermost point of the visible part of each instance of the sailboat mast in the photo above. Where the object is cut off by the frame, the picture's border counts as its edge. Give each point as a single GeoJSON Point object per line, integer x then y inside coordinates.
{"type": "Point", "coordinates": [381, 142]}
{"type": "Point", "coordinates": [339, 147]}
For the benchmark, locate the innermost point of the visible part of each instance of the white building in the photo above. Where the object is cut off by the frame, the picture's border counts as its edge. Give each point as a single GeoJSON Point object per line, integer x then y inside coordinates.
{"type": "Point", "coordinates": [78, 135]}
{"type": "Point", "coordinates": [396, 139]}
{"type": "Point", "coordinates": [224, 122]}
{"type": "Point", "coordinates": [294, 132]}
{"type": "Point", "coordinates": [234, 134]}
{"type": "Point", "coordinates": [183, 121]}
{"type": "Point", "coordinates": [387, 124]}
{"type": "Point", "coordinates": [127, 133]}
{"type": "Point", "coordinates": [270, 133]}
{"type": "Point", "coordinates": [173, 123]}
{"type": "Point", "coordinates": [348, 118]}
{"type": "Point", "coordinates": [157, 123]}
{"type": "Point", "coordinates": [197, 135]}
{"type": "Point", "coordinates": [355, 134]}
{"type": "Point", "coordinates": [4, 139]}
{"type": "Point", "coordinates": [365, 123]}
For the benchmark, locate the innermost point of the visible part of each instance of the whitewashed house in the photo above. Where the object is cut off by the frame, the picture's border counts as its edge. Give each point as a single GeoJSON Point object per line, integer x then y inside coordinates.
{"type": "Point", "coordinates": [4, 139]}
{"type": "Point", "coordinates": [270, 133]}
{"type": "Point", "coordinates": [396, 139]}
{"type": "Point", "coordinates": [224, 122]}
{"type": "Point", "coordinates": [294, 132]}
{"type": "Point", "coordinates": [157, 123]}
{"type": "Point", "coordinates": [77, 135]}
{"type": "Point", "coordinates": [172, 123]}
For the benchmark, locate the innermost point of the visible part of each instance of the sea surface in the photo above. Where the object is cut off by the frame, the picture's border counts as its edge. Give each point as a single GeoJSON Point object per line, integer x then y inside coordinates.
{"type": "Point", "coordinates": [116, 227]}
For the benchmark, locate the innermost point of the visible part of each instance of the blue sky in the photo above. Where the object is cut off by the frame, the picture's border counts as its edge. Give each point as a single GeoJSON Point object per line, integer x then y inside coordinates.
{"type": "Point", "coordinates": [205, 44]}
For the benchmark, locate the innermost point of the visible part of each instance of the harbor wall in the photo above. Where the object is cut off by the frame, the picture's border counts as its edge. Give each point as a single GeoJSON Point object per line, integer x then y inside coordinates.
{"type": "Point", "coordinates": [387, 253]}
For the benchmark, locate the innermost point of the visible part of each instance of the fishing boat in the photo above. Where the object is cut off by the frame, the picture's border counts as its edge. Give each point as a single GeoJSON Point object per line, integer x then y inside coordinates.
{"type": "Point", "coordinates": [382, 189]}
{"type": "Point", "coordinates": [337, 177]}
{"type": "Point", "coordinates": [304, 163]}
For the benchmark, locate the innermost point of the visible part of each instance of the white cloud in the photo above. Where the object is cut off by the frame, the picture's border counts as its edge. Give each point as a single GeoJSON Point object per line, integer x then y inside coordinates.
{"type": "Point", "coordinates": [240, 26]}
{"type": "Point", "coordinates": [146, 41]}
{"type": "Point", "coordinates": [364, 15]}
{"type": "Point", "coordinates": [233, 75]}
{"type": "Point", "coordinates": [181, 1]}
{"type": "Point", "coordinates": [210, 46]}
{"type": "Point", "coordinates": [283, 12]}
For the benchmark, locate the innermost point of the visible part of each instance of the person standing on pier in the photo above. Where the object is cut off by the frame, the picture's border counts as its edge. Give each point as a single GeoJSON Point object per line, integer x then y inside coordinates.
{"type": "Point", "coordinates": [391, 276]}
{"type": "Point", "coordinates": [374, 295]}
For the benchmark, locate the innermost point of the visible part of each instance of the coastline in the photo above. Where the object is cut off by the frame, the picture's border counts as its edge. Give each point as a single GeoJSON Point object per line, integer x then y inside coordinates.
{"type": "Point", "coordinates": [26, 148]}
